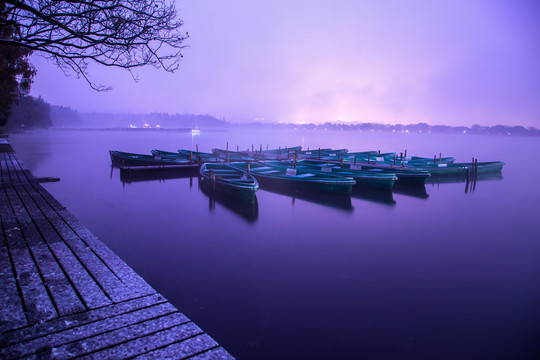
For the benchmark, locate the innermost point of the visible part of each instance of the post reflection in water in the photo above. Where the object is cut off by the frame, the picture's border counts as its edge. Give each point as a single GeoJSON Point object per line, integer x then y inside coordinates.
{"type": "Point", "coordinates": [470, 184]}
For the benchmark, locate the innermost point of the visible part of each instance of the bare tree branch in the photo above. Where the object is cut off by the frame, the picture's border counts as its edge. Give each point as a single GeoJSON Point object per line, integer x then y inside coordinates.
{"type": "Point", "coordinates": [117, 33]}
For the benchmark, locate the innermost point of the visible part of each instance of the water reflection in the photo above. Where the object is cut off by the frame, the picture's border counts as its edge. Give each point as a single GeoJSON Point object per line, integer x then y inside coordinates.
{"type": "Point", "coordinates": [479, 177]}
{"type": "Point", "coordinates": [248, 210]}
{"type": "Point", "coordinates": [128, 176]}
{"type": "Point", "coordinates": [470, 184]}
{"type": "Point", "coordinates": [338, 201]}
{"type": "Point", "coordinates": [374, 195]}
{"type": "Point", "coordinates": [410, 190]}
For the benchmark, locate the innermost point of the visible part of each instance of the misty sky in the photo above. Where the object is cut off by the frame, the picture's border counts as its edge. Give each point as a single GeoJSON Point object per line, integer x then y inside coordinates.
{"type": "Point", "coordinates": [458, 62]}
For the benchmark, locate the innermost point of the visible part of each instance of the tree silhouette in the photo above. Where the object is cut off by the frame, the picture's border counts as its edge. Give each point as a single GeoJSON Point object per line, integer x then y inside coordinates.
{"type": "Point", "coordinates": [118, 33]}
{"type": "Point", "coordinates": [16, 73]}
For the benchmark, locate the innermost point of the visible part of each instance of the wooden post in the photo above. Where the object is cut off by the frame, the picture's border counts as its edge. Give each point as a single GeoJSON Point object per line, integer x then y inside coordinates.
{"type": "Point", "coordinates": [440, 158]}
{"type": "Point", "coordinates": [368, 157]}
{"type": "Point", "coordinates": [342, 163]}
{"type": "Point", "coordinates": [405, 154]}
{"type": "Point", "coordinates": [295, 159]}
{"type": "Point", "coordinates": [248, 167]}
{"type": "Point", "coordinates": [401, 157]}
{"type": "Point", "coordinates": [354, 159]}
{"type": "Point", "coordinates": [379, 152]}
{"type": "Point", "coordinates": [252, 148]}
{"type": "Point", "coordinates": [237, 150]}
{"type": "Point", "coordinates": [319, 153]}
{"type": "Point", "coordinates": [434, 159]}
{"type": "Point", "coordinates": [475, 168]}
{"type": "Point", "coordinates": [191, 157]}
{"type": "Point", "coordinates": [198, 155]}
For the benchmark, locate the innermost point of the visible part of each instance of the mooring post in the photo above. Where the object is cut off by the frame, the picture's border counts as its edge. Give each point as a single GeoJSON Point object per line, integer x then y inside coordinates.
{"type": "Point", "coordinates": [434, 159]}
{"type": "Point", "coordinates": [190, 157]}
{"type": "Point", "coordinates": [401, 156]}
{"type": "Point", "coordinates": [368, 157]}
{"type": "Point", "coordinates": [252, 148]}
{"type": "Point", "coordinates": [440, 158]}
{"type": "Point", "coordinates": [405, 154]}
{"type": "Point", "coordinates": [295, 159]}
{"type": "Point", "coordinates": [379, 152]}
{"type": "Point", "coordinates": [475, 168]}
{"type": "Point", "coordinates": [319, 153]}
{"type": "Point", "coordinates": [342, 163]}
{"type": "Point", "coordinates": [237, 148]}
{"type": "Point", "coordinates": [198, 155]}
{"type": "Point", "coordinates": [354, 159]}
{"type": "Point", "coordinates": [248, 167]}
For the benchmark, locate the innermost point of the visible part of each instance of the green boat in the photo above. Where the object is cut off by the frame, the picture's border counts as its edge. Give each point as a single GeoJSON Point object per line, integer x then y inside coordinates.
{"type": "Point", "coordinates": [125, 159]}
{"type": "Point", "coordinates": [461, 170]}
{"type": "Point", "coordinates": [454, 170]}
{"type": "Point", "coordinates": [363, 178]}
{"type": "Point", "coordinates": [229, 180]}
{"type": "Point", "coordinates": [297, 179]}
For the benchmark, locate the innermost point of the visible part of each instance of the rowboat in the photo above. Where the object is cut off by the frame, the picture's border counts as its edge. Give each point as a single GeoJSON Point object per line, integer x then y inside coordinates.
{"type": "Point", "coordinates": [363, 178]}
{"type": "Point", "coordinates": [455, 170]}
{"type": "Point", "coordinates": [297, 179]}
{"type": "Point", "coordinates": [228, 179]}
{"type": "Point", "coordinates": [124, 159]}
{"type": "Point", "coordinates": [232, 156]}
{"type": "Point", "coordinates": [462, 169]}
{"type": "Point", "coordinates": [193, 156]}
{"type": "Point", "coordinates": [248, 210]}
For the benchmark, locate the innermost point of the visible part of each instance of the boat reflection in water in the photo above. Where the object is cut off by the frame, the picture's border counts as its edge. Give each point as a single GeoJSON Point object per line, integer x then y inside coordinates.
{"type": "Point", "coordinates": [470, 183]}
{"type": "Point", "coordinates": [131, 175]}
{"type": "Point", "coordinates": [338, 201]}
{"type": "Point", "coordinates": [417, 191]}
{"type": "Point", "coordinates": [380, 196]}
{"type": "Point", "coordinates": [249, 210]}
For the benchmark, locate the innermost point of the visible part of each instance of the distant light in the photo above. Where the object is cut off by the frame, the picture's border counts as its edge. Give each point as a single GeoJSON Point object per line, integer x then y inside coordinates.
{"type": "Point", "coordinates": [406, 131]}
{"type": "Point", "coordinates": [464, 131]}
{"type": "Point", "coordinates": [158, 126]}
{"type": "Point", "coordinates": [145, 125]}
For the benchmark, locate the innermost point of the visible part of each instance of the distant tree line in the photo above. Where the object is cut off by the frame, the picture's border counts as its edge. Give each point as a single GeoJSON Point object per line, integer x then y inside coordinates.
{"type": "Point", "coordinates": [65, 117]}
{"type": "Point", "coordinates": [411, 128]}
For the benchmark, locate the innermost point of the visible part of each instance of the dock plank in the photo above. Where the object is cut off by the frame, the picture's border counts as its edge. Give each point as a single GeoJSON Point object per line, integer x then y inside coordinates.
{"type": "Point", "coordinates": [65, 294]}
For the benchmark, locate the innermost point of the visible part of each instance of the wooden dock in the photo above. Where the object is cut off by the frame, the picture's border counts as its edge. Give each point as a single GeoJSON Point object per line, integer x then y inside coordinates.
{"type": "Point", "coordinates": [64, 294]}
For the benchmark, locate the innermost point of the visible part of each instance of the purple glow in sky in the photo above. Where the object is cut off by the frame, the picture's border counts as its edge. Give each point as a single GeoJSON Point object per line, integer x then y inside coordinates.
{"type": "Point", "coordinates": [458, 62]}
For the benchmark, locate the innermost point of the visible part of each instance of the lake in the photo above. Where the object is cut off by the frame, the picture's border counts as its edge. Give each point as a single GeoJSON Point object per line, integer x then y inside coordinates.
{"type": "Point", "coordinates": [443, 272]}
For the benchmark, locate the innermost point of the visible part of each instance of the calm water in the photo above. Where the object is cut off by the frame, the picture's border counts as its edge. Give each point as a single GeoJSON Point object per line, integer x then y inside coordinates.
{"type": "Point", "coordinates": [440, 274]}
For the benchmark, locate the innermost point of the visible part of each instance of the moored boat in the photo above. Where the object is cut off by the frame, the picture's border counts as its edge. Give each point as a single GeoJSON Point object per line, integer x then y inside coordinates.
{"type": "Point", "coordinates": [297, 178]}
{"type": "Point", "coordinates": [363, 178]}
{"type": "Point", "coordinates": [125, 159]}
{"type": "Point", "coordinates": [228, 179]}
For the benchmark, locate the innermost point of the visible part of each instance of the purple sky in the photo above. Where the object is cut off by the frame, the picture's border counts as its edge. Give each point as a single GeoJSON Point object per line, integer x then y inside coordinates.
{"type": "Point", "coordinates": [458, 62]}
